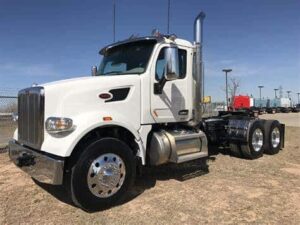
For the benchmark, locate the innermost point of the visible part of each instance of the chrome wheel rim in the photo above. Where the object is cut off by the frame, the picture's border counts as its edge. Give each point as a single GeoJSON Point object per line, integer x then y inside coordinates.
{"type": "Point", "coordinates": [106, 175]}
{"type": "Point", "coordinates": [275, 137]}
{"type": "Point", "coordinates": [257, 139]}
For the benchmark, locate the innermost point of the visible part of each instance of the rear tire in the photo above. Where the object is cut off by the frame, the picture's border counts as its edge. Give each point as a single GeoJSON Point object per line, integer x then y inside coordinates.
{"type": "Point", "coordinates": [103, 174]}
{"type": "Point", "coordinates": [273, 137]}
{"type": "Point", "coordinates": [235, 150]}
{"type": "Point", "coordinates": [254, 148]}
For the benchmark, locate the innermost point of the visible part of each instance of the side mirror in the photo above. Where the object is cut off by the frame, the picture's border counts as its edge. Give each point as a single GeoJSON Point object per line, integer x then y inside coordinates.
{"type": "Point", "coordinates": [172, 63]}
{"type": "Point", "coordinates": [171, 71]}
{"type": "Point", "coordinates": [94, 70]}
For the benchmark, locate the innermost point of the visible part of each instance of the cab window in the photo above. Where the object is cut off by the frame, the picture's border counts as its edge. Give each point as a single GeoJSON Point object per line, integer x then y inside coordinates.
{"type": "Point", "coordinates": [161, 62]}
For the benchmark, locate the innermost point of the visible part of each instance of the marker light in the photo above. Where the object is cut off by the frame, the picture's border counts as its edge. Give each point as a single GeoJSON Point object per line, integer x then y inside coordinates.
{"type": "Point", "coordinates": [56, 125]}
{"type": "Point", "coordinates": [107, 118]}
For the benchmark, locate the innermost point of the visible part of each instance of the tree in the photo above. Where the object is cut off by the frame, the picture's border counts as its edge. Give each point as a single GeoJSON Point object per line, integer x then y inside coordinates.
{"type": "Point", "coordinates": [233, 87]}
{"type": "Point", "coordinates": [9, 107]}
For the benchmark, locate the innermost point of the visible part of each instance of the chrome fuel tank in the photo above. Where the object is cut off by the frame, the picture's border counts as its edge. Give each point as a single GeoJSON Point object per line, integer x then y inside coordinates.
{"type": "Point", "coordinates": [177, 146]}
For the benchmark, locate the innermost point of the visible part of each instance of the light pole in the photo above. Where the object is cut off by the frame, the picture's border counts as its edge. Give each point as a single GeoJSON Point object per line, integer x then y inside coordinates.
{"type": "Point", "coordinates": [298, 97]}
{"type": "Point", "coordinates": [226, 71]}
{"type": "Point", "coordinates": [288, 95]}
{"type": "Point", "coordinates": [260, 87]}
{"type": "Point", "coordinates": [276, 89]}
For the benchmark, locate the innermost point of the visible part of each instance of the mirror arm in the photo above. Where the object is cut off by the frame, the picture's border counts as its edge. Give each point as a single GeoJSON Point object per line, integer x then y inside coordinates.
{"type": "Point", "coordinates": [158, 87]}
{"type": "Point", "coordinates": [94, 71]}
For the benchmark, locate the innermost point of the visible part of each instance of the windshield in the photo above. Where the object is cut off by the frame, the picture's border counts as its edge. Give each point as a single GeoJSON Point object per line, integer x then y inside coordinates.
{"type": "Point", "coordinates": [130, 58]}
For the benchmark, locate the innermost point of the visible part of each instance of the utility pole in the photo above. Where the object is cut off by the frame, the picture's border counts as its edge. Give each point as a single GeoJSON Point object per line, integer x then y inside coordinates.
{"type": "Point", "coordinates": [168, 24]}
{"type": "Point", "coordinates": [276, 89]}
{"type": "Point", "coordinates": [280, 91]}
{"type": "Point", "coordinates": [288, 95]}
{"type": "Point", "coordinates": [260, 87]}
{"type": "Point", "coordinates": [114, 20]}
{"type": "Point", "coordinates": [226, 71]}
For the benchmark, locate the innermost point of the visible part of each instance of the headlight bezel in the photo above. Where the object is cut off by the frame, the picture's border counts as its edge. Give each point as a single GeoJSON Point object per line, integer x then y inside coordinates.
{"type": "Point", "coordinates": [57, 125]}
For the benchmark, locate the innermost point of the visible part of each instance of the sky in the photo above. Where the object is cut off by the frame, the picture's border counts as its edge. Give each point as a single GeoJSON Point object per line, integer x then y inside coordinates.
{"type": "Point", "coordinates": [42, 41]}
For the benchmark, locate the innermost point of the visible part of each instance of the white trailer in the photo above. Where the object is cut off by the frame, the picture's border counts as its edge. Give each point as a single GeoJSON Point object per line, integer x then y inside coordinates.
{"type": "Point", "coordinates": [285, 102]}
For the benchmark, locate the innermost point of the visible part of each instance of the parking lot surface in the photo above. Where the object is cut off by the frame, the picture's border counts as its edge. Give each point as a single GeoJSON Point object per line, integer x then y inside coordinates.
{"type": "Point", "coordinates": [233, 191]}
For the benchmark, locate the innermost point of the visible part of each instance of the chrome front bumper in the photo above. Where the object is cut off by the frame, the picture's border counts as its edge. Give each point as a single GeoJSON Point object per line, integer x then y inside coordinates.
{"type": "Point", "coordinates": [40, 166]}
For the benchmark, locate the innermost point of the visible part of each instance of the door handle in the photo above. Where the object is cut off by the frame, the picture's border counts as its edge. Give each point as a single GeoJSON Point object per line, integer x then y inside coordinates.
{"type": "Point", "coordinates": [183, 112]}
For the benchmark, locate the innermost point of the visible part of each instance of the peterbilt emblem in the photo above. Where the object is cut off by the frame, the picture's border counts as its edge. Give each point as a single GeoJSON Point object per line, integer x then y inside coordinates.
{"type": "Point", "coordinates": [105, 96]}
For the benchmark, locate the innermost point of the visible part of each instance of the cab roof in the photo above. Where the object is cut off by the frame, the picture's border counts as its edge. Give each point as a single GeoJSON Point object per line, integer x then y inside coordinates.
{"type": "Point", "coordinates": [156, 39]}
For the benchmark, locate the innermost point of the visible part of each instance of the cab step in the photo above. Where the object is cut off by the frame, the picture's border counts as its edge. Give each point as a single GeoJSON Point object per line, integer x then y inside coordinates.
{"type": "Point", "coordinates": [189, 157]}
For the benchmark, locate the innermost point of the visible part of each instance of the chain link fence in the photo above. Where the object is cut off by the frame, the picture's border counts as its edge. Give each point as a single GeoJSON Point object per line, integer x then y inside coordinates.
{"type": "Point", "coordinates": [8, 116]}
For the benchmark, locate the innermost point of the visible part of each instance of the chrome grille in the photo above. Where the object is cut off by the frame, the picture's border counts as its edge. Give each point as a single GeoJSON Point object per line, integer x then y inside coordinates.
{"type": "Point", "coordinates": [31, 117]}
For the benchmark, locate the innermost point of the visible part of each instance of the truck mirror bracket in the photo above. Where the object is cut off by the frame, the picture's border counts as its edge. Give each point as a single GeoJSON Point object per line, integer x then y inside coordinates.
{"type": "Point", "coordinates": [158, 87]}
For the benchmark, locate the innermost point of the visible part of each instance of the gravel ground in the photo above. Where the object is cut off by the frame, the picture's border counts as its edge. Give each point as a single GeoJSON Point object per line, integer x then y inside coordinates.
{"type": "Point", "coordinates": [289, 119]}
{"type": "Point", "coordinates": [234, 191]}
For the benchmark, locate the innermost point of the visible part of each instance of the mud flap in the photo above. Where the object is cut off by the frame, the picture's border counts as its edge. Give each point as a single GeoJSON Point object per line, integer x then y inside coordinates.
{"type": "Point", "coordinates": [282, 130]}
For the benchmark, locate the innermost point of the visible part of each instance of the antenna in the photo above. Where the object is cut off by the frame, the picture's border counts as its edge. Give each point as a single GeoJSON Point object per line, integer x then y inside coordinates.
{"type": "Point", "coordinates": [114, 20]}
{"type": "Point", "coordinates": [168, 24]}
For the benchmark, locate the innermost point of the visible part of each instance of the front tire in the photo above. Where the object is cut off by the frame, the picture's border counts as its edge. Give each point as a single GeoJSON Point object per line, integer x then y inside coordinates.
{"type": "Point", "coordinates": [103, 174]}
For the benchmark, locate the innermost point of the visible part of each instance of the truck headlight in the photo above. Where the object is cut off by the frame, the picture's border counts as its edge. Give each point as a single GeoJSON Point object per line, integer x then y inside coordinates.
{"type": "Point", "coordinates": [55, 125]}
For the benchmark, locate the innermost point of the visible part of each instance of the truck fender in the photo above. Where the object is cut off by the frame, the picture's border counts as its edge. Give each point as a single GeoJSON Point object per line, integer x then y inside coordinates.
{"type": "Point", "coordinates": [64, 145]}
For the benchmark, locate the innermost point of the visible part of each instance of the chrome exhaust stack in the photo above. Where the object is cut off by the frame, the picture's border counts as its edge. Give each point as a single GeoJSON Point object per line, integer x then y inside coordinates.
{"type": "Point", "coordinates": [198, 67]}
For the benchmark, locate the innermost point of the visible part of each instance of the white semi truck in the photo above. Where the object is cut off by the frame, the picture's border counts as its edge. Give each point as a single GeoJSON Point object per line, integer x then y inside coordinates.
{"type": "Point", "coordinates": [141, 107]}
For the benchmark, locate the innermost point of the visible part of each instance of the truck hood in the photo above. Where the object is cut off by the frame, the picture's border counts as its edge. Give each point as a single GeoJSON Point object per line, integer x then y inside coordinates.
{"type": "Point", "coordinates": [88, 80]}
{"type": "Point", "coordinates": [73, 96]}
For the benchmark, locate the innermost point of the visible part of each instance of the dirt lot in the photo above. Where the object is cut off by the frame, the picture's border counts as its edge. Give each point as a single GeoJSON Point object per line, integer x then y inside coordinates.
{"type": "Point", "coordinates": [234, 191]}
{"type": "Point", "coordinates": [289, 119]}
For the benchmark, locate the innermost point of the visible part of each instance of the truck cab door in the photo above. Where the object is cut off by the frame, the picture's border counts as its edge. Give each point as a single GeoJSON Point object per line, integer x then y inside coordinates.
{"type": "Point", "coordinates": [173, 103]}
